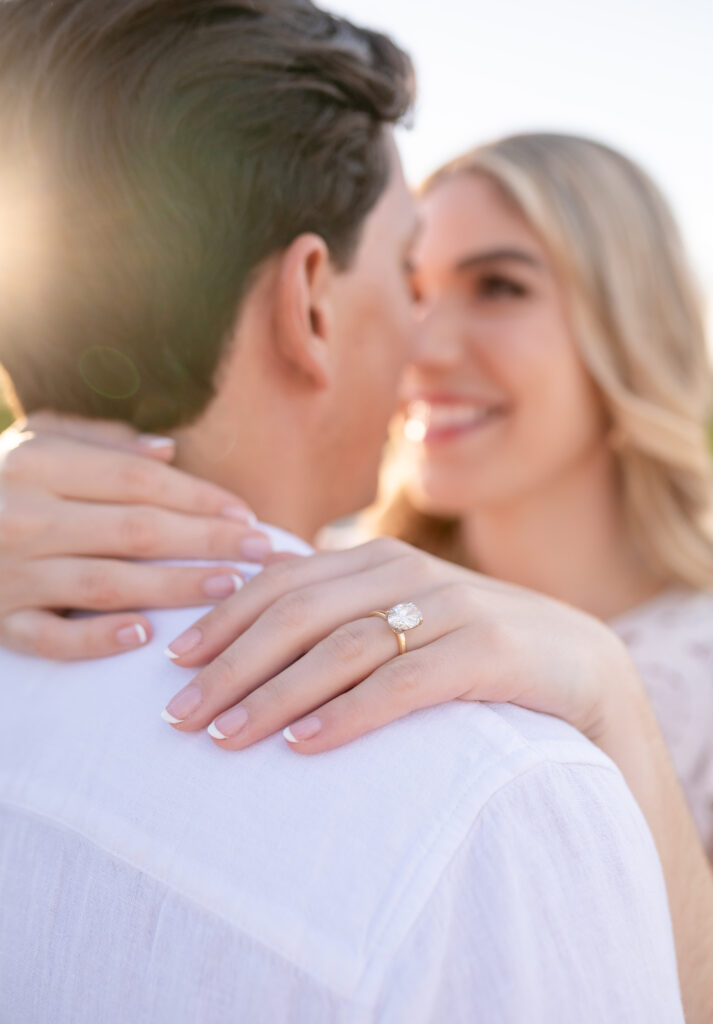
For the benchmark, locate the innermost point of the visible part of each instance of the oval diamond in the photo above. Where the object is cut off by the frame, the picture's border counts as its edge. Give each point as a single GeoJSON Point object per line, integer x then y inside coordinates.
{"type": "Point", "coordinates": [403, 617]}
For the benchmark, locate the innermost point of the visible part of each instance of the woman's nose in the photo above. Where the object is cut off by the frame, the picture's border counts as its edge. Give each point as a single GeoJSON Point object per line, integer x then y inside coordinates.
{"type": "Point", "coordinates": [438, 341]}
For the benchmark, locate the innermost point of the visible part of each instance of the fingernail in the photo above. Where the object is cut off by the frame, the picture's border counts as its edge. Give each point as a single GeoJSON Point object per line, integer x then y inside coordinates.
{"type": "Point", "coordinates": [154, 441]}
{"type": "Point", "coordinates": [257, 548]}
{"type": "Point", "coordinates": [229, 724]}
{"type": "Point", "coordinates": [222, 586]}
{"type": "Point", "coordinates": [241, 514]}
{"type": "Point", "coordinates": [182, 705]}
{"type": "Point", "coordinates": [303, 730]}
{"type": "Point", "coordinates": [131, 636]}
{"type": "Point", "coordinates": [184, 643]}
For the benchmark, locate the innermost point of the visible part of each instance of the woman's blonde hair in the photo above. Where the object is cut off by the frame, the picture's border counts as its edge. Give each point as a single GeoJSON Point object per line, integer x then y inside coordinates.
{"type": "Point", "coordinates": [638, 323]}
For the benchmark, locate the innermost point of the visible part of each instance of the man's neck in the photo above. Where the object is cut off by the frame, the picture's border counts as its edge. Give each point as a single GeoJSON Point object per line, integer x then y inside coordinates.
{"type": "Point", "coordinates": [271, 483]}
{"type": "Point", "coordinates": [261, 435]}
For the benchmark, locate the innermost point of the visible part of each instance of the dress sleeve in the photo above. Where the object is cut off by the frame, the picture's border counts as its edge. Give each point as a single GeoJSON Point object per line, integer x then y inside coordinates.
{"type": "Point", "coordinates": [554, 910]}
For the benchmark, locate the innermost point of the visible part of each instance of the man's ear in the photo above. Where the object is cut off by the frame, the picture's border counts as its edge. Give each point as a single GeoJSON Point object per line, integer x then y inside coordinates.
{"type": "Point", "coordinates": [302, 314]}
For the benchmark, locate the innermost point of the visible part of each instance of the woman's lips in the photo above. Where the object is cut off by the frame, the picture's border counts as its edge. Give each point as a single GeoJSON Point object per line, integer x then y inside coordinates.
{"type": "Point", "coordinates": [429, 421]}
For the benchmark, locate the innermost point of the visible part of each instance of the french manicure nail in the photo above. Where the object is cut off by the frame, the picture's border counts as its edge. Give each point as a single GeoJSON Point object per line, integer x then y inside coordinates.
{"type": "Point", "coordinates": [222, 586]}
{"type": "Point", "coordinates": [240, 514]}
{"type": "Point", "coordinates": [154, 441]}
{"type": "Point", "coordinates": [183, 704]}
{"type": "Point", "coordinates": [302, 730]}
{"type": "Point", "coordinates": [131, 636]}
{"type": "Point", "coordinates": [256, 548]}
{"type": "Point", "coordinates": [184, 643]}
{"type": "Point", "coordinates": [228, 724]}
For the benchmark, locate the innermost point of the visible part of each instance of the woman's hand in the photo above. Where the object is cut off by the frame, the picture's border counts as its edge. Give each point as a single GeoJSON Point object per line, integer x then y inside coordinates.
{"type": "Point", "coordinates": [299, 640]}
{"type": "Point", "coordinates": [77, 498]}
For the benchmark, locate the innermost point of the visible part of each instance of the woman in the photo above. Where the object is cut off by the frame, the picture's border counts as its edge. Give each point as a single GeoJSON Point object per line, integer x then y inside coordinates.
{"type": "Point", "coordinates": [554, 437]}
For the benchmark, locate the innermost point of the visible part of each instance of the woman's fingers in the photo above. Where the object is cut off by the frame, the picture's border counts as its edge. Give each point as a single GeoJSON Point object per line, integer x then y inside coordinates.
{"type": "Point", "coordinates": [73, 469]}
{"type": "Point", "coordinates": [102, 584]}
{"type": "Point", "coordinates": [287, 631]}
{"type": "Point", "coordinates": [291, 591]}
{"type": "Point", "coordinates": [49, 635]}
{"type": "Point", "coordinates": [39, 527]}
{"type": "Point", "coordinates": [289, 627]}
{"type": "Point", "coordinates": [336, 664]}
{"type": "Point", "coordinates": [424, 678]}
{"type": "Point", "coordinates": [110, 433]}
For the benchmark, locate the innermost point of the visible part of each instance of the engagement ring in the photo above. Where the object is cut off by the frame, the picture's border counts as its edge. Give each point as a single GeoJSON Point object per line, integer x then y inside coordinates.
{"type": "Point", "coordinates": [401, 618]}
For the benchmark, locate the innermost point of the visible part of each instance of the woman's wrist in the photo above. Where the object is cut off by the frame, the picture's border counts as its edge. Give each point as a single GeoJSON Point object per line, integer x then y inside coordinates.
{"type": "Point", "coordinates": [628, 732]}
{"type": "Point", "coordinates": [622, 722]}
{"type": "Point", "coordinates": [609, 692]}
{"type": "Point", "coordinates": [626, 717]}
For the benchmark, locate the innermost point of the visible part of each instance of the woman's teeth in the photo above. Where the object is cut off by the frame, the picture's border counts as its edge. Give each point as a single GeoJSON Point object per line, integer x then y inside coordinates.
{"type": "Point", "coordinates": [424, 417]}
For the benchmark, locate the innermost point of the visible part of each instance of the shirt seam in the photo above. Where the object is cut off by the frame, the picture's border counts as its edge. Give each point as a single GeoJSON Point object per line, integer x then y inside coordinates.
{"type": "Point", "coordinates": [373, 978]}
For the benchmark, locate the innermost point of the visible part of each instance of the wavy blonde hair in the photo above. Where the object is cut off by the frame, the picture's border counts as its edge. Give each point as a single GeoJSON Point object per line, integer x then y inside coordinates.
{"type": "Point", "coordinates": [638, 323]}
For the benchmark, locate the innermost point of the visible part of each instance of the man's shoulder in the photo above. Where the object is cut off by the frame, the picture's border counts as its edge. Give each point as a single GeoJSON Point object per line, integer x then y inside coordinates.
{"type": "Point", "coordinates": [320, 859]}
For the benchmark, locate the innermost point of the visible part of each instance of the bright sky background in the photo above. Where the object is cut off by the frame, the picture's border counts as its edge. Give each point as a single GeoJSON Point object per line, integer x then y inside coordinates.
{"type": "Point", "coordinates": [635, 73]}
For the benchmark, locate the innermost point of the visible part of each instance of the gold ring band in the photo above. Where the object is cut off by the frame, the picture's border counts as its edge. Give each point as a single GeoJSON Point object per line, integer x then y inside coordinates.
{"type": "Point", "coordinates": [400, 637]}
{"type": "Point", "coordinates": [400, 619]}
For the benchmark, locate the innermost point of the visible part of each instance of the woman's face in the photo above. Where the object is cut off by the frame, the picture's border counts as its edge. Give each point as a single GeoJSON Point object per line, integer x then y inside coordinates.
{"type": "Point", "coordinates": [497, 402]}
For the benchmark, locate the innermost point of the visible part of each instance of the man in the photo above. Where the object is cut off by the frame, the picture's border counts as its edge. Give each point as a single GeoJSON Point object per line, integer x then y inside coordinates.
{"type": "Point", "coordinates": [215, 226]}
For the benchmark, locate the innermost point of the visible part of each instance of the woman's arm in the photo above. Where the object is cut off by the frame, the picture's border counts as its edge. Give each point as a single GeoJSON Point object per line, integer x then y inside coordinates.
{"type": "Point", "coordinates": [629, 733]}
{"type": "Point", "coordinates": [78, 500]}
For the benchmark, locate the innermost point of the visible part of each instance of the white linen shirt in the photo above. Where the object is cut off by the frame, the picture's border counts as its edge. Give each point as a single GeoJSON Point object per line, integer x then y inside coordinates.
{"type": "Point", "coordinates": [470, 863]}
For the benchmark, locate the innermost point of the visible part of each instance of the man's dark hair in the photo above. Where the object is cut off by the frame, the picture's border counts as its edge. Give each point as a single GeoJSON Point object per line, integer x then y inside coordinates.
{"type": "Point", "coordinates": [159, 151]}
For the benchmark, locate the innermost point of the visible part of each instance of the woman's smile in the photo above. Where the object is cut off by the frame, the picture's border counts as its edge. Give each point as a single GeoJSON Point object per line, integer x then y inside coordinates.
{"type": "Point", "coordinates": [441, 418]}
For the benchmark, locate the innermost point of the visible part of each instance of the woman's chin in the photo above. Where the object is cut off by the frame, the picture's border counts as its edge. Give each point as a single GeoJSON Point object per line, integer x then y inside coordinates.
{"type": "Point", "coordinates": [434, 499]}
{"type": "Point", "coordinates": [452, 492]}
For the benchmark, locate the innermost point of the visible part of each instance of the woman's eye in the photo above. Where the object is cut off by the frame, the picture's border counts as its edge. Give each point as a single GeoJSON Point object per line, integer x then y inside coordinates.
{"type": "Point", "coordinates": [495, 286]}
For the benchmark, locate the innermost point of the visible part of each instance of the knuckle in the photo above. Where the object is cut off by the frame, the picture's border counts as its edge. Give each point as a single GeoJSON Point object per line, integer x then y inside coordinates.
{"type": "Point", "coordinates": [40, 644]}
{"type": "Point", "coordinates": [17, 527]}
{"type": "Point", "coordinates": [220, 676]}
{"type": "Point", "coordinates": [47, 643]}
{"type": "Point", "coordinates": [492, 630]}
{"type": "Point", "coordinates": [96, 589]}
{"type": "Point", "coordinates": [418, 567]}
{"type": "Point", "coordinates": [225, 619]}
{"type": "Point", "coordinates": [22, 458]}
{"type": "Point", "coordinates": [457, 595]}
{"type": "Point", "coordinates": [401, 678]}
{"type": "Point", "coordinates": [270, 694]}
{"type": "Point", "coordinates": [14, 579]}
{"type": "Point", "coordinates": [11, 463]}
{"type": "Point", "coordinates": [219, 539]}
{"type": "Point", "coordinates": [496, 633]}
{"type": "Point", "coordinates": [292, 611]}
{"type": "Point", "coordinates": [136, 479]}
{"type": "Point", "coordinates": [389, 547]}
{"type": "Point", "coordinates": [138, 532]}
{"type": "Point", "coordinates": [346, 644]}
{"type": "Point", "coordinates": [280, 575]}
